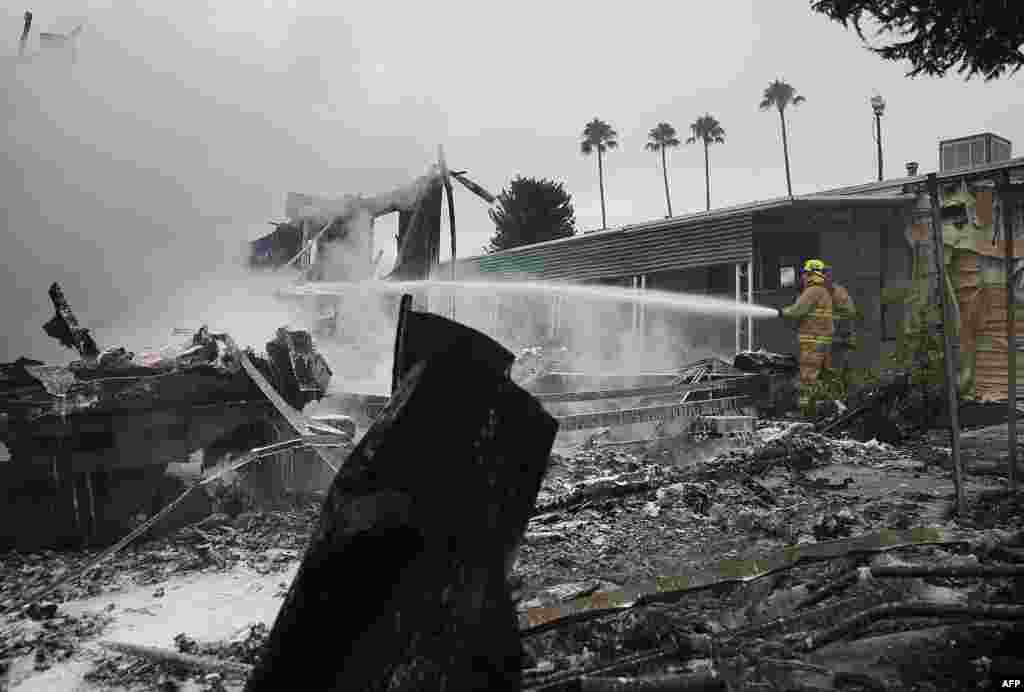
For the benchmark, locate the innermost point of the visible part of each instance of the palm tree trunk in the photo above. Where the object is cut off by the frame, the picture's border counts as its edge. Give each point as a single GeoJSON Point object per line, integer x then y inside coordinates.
{"type": "Point", "coordinates": [707, 176]}
{"type": "Point", "coordinates": [664, 171]}
{"type": "Point", "coordinates": [600, 180]}
{"type": "Point", "coordinates": [785, 152]}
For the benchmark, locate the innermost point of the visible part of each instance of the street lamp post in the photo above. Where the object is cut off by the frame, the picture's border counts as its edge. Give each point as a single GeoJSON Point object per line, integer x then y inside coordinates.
{"type": "Point", "coordinates": [878, 106]}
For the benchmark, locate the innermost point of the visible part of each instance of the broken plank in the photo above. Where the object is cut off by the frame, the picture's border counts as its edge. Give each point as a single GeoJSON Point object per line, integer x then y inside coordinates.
{"type": "Point", "coordinates": [708, 407]}
{"type": "Point", "coordinates": [167, 656]}
{"type": "Point", "coordinates": [629, 393]}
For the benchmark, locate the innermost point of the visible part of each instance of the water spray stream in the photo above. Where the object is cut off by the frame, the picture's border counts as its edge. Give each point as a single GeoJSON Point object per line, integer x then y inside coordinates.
{"type": "Point", "coordinates": [682, 302]}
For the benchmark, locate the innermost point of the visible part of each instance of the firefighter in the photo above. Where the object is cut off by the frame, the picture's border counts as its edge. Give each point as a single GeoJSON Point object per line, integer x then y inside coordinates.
{"type": "Point", "coordinates": [813, 311]}
{"type": "Point", "coordinates": [844, 312]}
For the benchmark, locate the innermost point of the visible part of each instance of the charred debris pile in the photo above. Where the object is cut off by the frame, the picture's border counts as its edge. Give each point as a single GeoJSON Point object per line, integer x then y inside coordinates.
{"type": "Point", "coordinates": [88, 444]}
{"type": "Point", "coordinates": [707, 547]}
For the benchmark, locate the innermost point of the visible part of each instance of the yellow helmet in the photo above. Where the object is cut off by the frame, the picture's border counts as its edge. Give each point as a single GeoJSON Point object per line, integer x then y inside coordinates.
{"type": "Point", "coordinates": [814, 265]}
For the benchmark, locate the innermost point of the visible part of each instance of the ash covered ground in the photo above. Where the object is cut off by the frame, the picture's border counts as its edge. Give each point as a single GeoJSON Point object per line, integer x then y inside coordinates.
{"type": "Point", "coordinates": [610, 517]}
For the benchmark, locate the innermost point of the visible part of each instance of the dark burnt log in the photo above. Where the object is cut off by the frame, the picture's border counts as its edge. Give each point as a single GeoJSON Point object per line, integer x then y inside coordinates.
{"type": "Point", "coordinates": [65, 329]}
{"type": "Point", "coordinates": [404, 584]}
{"type": "Point", "coordinates": [427, 335]}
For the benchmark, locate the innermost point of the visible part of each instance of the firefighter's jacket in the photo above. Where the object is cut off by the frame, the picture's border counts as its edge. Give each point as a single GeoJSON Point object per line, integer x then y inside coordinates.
{"type": "Point", "coordinates": [844, 313]}
{"type": "Point", "coordinates": [814, 311]}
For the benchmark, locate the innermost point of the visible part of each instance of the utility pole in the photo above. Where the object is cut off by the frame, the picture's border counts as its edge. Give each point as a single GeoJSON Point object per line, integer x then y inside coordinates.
{"type": "Point", "coordinates": [878, 106]}
{"type": "Point", "coordinates": [1010, 195]}
{"type": "Point", "coordinates": [952, 394]}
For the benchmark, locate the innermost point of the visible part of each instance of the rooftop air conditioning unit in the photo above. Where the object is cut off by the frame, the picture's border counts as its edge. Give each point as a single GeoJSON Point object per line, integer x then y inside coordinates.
{"type": "Point", "coordinates": [976, 150]}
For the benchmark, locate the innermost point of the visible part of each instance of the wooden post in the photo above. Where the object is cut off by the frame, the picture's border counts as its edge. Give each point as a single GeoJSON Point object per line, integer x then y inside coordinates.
{"type": "Point", "coordinates": [1010, 196]}
{"type": "Point", "coordinates": [953, 396]}
{"type": "Point", "coordinates": [404, 308]}
{"type": "Point", "coordinates": [404, 583]}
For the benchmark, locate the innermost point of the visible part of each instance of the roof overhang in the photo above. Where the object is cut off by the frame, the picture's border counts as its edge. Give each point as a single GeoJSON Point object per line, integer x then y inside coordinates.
{"type": "Point", "coordinates": [854, 200]}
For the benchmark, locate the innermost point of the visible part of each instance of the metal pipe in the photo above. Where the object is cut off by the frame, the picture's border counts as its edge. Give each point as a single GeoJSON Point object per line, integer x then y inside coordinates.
{"type": "Point", "coordinates": [947, 346]}
{"type": "Point", "coordinates": [739, 320]}
{"type": "Point", "coordinates": [750, 300]}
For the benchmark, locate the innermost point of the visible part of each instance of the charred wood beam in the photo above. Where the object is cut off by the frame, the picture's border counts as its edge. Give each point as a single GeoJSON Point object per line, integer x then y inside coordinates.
{"type": "Point", "coordinates": [844, 581]}
{"type": "Point", "coordinates": [473, 187]}
{"type": "Point", "coordinates": [981, 611]}
{"type": "Point", "coordinates": [207, 664]}
{"type": "Point", "coordinates": [404, 583]}
{"type": "Point", "coordinates": [64, 327]}
{"type": "Point", "coordinates": [419, 236]}
{"type": "Point", "coordinates": [683, 647]}
{"type": "Point", "coordinates": [684, 682]}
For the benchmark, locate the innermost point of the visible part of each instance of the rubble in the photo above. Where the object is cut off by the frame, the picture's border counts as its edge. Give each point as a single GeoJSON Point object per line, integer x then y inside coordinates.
{"type": "Point", "coordinates": [790, 558]}
{"type": "Point", "coordinates": [90, 442]}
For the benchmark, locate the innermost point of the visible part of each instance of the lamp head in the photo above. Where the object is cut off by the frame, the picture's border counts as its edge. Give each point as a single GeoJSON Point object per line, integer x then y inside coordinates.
{"type": "Point", "coordinates": [878, 104]}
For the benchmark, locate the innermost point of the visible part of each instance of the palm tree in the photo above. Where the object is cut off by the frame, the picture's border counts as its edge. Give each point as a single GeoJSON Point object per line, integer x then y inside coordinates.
{"type": "Point", "coordinates": [663, 137]}
{"type": "Point", "coordinates": [780, 94]}
{"type": "Point", "coordinates": [708, 130]}
{"type": "Point", "coordinates": [599, 135]}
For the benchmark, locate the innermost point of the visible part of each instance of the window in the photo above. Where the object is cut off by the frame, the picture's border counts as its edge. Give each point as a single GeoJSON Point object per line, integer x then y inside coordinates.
{"type": "Point", "coordinates": [978, 152]}
{"type": "Point", "coordinates": [948, 161]}
{"type": "Point", "coordinates": [963, 155]}
{"type": "Point", "coordinates": [1000, 150]}
{"type": "Point", "coordinates": [787, 277]}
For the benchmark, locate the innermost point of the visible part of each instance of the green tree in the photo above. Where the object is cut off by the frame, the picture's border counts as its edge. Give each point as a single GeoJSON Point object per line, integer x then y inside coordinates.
{"type": "Point", "coordinates": [531, 211]}
{"type": "Point", "coordinates": [780, 95]}
{"type": "Point", "coordinates": [600, 137]}
{"type": "Point", "coordinates": [983, 38]}
{"type": "Point", "coordinates": [706, 130]}
{"type": "Point", "coordinates": [663, 137]}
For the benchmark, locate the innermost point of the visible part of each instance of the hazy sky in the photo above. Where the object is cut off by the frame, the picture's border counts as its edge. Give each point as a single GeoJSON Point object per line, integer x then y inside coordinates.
{"type": "Point", "coordinates": [182, 127]}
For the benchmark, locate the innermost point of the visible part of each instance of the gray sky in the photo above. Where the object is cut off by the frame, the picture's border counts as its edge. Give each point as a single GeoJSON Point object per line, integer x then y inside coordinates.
{"type": "Point", "coordinates": [183, 125]}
